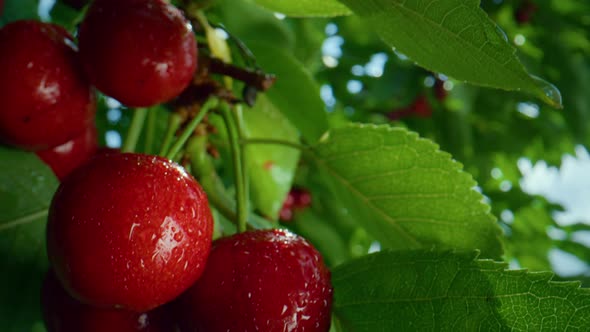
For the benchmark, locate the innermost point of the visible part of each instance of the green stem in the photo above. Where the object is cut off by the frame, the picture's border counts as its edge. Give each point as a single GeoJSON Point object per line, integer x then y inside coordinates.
{"type": "Point", "coordinates": [272, 141]}
{"type": "Point", "coordinates": [190, 128]}
{"type": "Point", "coordinates": [173, 124]}
{"type": "Point", "coordinates": [239, 121]}
{"type": "Point", "coordinates": [150, 131]}
{"type": "Point", "coordinates": [237, 165]}
{"type": "Point", "coordinates": [134, 131]}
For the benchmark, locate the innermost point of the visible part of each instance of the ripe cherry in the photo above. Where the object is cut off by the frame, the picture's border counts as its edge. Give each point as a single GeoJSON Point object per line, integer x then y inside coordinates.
{"type": "Point", "coordinates": [146, 54]}
{"type": "Point", "coordinates": [270, 280]}
{"type": "Point", "coordinates": [45, 99]}
{"type": "Point", "coordinates": [128, 231]}
{"type": "Point", "coordinates": [63, 313]}
{"type": "Point", "coordinates": [64, 158]}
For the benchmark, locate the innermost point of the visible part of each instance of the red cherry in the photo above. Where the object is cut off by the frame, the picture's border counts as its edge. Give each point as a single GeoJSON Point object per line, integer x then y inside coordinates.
{"type": "Point", "coordinates": [105, 151]}
{"type": "Point", "coordinates": [302, 198]}
{"type": "Point", "coordinates": [145, 54]}
{"type": "Point", "coordinates": [421, 107]}
{"type": "Point", "coordinates": [45, 99]}
{"type": "Point", "coordinates": [270, 280]}
{"type": "Point", "coordinates": [63, 159]}
{"type": "Point", "coordinates": [62, 313]}
{"type": "Point", "coordinates": [128, 231]}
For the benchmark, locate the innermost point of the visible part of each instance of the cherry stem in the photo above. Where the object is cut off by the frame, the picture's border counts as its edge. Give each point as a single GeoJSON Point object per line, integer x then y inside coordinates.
{"type": "Point", "coordinates": [134, 131]}
{"type": "Point", "coordinates": [239, 121]}
{"type": "Point", "coordinates": [174, 121]}
{"type": "Point", "coordinates": [150, 132]}
{"type": "Point", "coordinates": [271, 141]}
{"type": "Point", "coordinates": [255, 78]}
{"type": "Point", "coordinates": [190, 128]}
{"type": "Point", "coordinates": [235, 149]}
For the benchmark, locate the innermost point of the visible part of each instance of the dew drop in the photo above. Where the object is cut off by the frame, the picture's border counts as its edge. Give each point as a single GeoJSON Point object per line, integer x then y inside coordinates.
{"type": "Point", "coordinates": [551, 94]}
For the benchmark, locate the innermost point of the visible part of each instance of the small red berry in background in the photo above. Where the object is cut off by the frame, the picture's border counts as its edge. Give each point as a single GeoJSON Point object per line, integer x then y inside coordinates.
{"type": "Point", "coordinates": [46, 101]}
{"type": "Point", "coordinates": [525, 11]}
{"type": "Point", "coordinates": [62, 313]}
{"type": "Point", "coordinates": [271, 280]}
{"type": "Point", "coordinates": [420, 107]}
{"type": "Point", "coordinates": [128, 231]}
{"type": "Point", "coordinates": [64, 158]}
{"type": "Point", "coordinates": [145, 55]}
{"type": "Point", "coordinates": [297, 199]}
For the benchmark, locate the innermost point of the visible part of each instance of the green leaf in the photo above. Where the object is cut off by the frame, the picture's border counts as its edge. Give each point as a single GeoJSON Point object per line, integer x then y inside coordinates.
{"type": "Point", "coordinates": [18, 10]}
{"type": "Point", "coordinates": [454, 37]}
{"type": "Point", "coordinates": [406, 192]}
{"type": "Point", "coordinates": [306, 8]}
{"type": "Point", "coordinates": [26, 189]}
{"type": "Point", "coordinates": [247, 21]}
{"type": "Point", "coordinates": [271, 167]}
{"type": "Point", "coordinates": [295, 94]}
{"type": "Point", "coordinates": [444, 291]}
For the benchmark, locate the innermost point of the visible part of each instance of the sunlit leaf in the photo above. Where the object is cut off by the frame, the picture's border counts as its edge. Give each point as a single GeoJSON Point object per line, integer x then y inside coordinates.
{"type": "Point", "coordinates": [406, 192]}
{"type": "Point", "coordinates": [306, 8]}
{"type": "Point", "coordinates": [445, 291]}
{"type": "Point", "coordinates": [270, 166]}
{"type": "Point", "coordinates": [454, 37]}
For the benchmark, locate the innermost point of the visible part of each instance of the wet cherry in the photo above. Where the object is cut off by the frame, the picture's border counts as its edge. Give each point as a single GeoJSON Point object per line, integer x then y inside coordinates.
{"type": "Point", "coordinates": [146, 54]}
{"type": "Point", "coordinates": [270, 280]}
{"type": "Point", "coordinates": [128, 230]}
{"type": "Point", "coordinates": [64, 158]}
{"type": "Point", "coordinates": [45, 99]}
{"type": "Point", "coordinates": [62, 313]}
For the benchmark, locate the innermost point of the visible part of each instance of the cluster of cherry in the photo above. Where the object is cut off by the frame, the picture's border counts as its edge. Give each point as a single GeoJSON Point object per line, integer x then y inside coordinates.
{"type": "Point", "coordinates": [129, 236]}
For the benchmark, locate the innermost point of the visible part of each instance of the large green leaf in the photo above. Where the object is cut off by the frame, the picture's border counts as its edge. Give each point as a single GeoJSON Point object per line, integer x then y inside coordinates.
{"type": "Point", "coordinates": [26, 188]}
{"type": "Point", "coordinates": [306, 8]}
{"type": "Point", "coordinates": [18, 10]}
{"type": "Point", "coordinates": [434, 291]}
{"type": "Point", "coordinates": [295, 93]}
{"type": "Point", "coordinates": [271, 167]}
{"type": "Point", "coordinates": [454, 37]}
{"type": "Point", "coordinates": [406, 192]}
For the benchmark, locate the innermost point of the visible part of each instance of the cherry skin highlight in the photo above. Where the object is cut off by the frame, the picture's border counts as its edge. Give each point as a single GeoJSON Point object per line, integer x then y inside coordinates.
{"type": "Point", "coordinates": [62, 313]}
{"type": "Point", "coordinates": [145, 55]}
{"type": "Point", "coordinates": [128, 231]}
{"type": "Point", "coordinates": [63, 159]}
{"type": "Point", "coordinates": [270, 280]}
{"type": "Point", "coordinates": [46, 100]}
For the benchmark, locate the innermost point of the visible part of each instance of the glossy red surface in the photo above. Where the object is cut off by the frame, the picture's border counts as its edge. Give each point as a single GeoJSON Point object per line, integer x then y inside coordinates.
{"type": "Point", "coordinates": [268, 280]}
{"type": "Point", "coordinates": [63, 313]}
{"type": "Point", "coordinates": [128, 230]}
{"type": "Point", "coordinates": [45, 99]}
{"type": "Point", "coordinates": [146, 54]}
{"type": "Point", "coordinates": [63, 159]}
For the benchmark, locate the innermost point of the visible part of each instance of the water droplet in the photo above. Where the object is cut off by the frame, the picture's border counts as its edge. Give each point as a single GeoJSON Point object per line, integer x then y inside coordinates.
{"type": "Point", "coordinates": [502, 33]}
{"type": "Point", "coordinates": [551, 94]}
